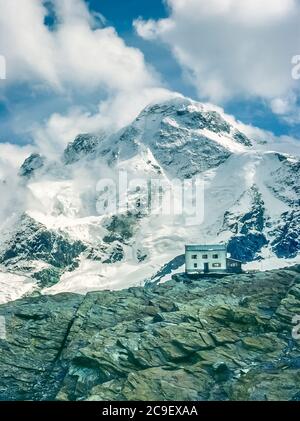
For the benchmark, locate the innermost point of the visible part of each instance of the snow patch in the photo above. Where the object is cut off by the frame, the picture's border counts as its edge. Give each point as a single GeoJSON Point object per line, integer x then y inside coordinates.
{"type": "Point", "coordinates": [13, 286]}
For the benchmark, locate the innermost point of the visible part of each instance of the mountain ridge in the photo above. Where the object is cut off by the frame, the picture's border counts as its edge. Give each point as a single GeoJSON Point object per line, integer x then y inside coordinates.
{"type": "Point", "coordinates": [251, 198]}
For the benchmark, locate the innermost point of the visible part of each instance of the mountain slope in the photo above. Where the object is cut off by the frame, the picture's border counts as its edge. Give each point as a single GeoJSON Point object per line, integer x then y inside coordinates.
{"type": "Point", "coordinates": [81, 243]}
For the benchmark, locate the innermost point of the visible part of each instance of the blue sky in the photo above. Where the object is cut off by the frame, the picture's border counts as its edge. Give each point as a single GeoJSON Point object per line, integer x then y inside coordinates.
{"type": "Point", "coordinates": [120, 14]}
{"type": "Point", "coordinates": [26, 103]}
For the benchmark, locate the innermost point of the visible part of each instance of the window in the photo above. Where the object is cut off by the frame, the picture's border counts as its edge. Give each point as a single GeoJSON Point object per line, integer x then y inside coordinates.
{"type": "Point", "coordinates": [215, 256]}
{"type": "Point", "coordinates": [233, 265]}
{"type": "Point", "coordinates": [195, 265]}
{"type": "Point", "coordinates": [204, 256]}
{"type": "Point", "coordinates": [194, 256]}
{"type": "Point", "coordinates": [216, 265]}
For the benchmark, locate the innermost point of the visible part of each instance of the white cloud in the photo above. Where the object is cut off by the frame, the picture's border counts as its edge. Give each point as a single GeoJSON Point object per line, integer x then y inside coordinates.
{"type": "Point", "coordinates": [81, 56]}
{"type": "Point", "coordinates": [26, 42]}
{"type": "Point", "coordinates": [11, 192]}
{"type": "Point", "coordinates": [280, 106]}
{"type": "Point", "coordinates": [52, 136]}
{"type": "Point", "coordinates": [76, 53]}
{"type": "Point", "coordinates": [77, 58]}
{"type": "Point", "coordinates": [118, 110]}
{"type": "Point", "coordinates": [287, 107]}
{"type": "Point", "coordinates": [12, 156]}
{"type": "Point", "coordinates": [232, 48]}
{"type": "Point", "coordinates": [254, 11]}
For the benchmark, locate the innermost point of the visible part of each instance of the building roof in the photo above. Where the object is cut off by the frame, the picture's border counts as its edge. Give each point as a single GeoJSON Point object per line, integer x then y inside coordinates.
{"type": "Point", "coordinates": [208, 247]}
{"type": "Point", "coordinates": [233, 260]}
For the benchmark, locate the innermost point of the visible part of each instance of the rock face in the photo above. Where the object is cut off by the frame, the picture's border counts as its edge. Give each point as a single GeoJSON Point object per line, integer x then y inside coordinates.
{"type": "Point", "coordinates": [83, 146]}
{"type": "Point", "coordinates": [287, 242]}
{"type": "Point", "coordinates": [39, 252]}
{"type": "Point", "coordinates": [184, 137]}
{"type": "Point", "coordinates": [226, 339]}
{"type": "Point", "coordinates": [34, 242]}
{"type": "Point", "coordinates": [248, 228]}
{"type": "Point", "coordinates": [33, 163]}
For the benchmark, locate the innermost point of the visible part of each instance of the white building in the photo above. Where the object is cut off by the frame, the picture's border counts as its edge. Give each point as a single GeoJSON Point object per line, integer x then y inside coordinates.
{"type": "Point", "coordinates": [210, 259]}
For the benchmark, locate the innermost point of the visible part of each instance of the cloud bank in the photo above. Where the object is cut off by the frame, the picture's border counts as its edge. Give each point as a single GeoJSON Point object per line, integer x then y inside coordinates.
{"type": "Point", "coordinates": [233, 48]}
{"type": "Point", "coordinates": [75, 55]}
{"type": "Point", "coordinates": [76, 52]}
{"type": "Point", "coordinates": [227, 49]}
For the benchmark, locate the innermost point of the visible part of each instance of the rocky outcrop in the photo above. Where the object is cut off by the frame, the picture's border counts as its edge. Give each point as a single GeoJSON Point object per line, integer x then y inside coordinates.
{"type": "Point", "coordinates": [248, 228]}
{"type": "Point", "coordinates": [287, 236]}
{"type": "Point", "coordinates": [40, 253]}
{"type": "Point", "coordinates": [225, 339]}
{"type": "Point", "coordinates": [33, 241]}
{"type": "Point", "coordinates": [33, 163]}
{"type": "Point", "coordinates": [83, 146]}
{"type": "Point", "coordinates": [285, 186]}
{"type": "Point", "coordinates": [184, 138]}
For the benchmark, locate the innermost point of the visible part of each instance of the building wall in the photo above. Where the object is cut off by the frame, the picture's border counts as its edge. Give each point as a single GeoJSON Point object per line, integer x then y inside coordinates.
{"type": "Point", "coordinates": [199, 258]}
{"type": "Point", "coordinates": [234, 266]}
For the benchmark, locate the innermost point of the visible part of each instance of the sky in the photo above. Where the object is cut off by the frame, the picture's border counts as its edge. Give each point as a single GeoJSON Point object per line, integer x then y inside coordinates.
{"type": "Point", "coordinates": [82, 65]}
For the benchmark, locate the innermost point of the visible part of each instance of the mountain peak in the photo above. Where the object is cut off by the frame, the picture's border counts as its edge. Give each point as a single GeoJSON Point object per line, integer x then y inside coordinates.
{"type": "Point", "coordinates": [191, 115]}
{"type": "Point", "coordinates": [84, 145]}
{"type": "Point", "coordinates": [31, 164]}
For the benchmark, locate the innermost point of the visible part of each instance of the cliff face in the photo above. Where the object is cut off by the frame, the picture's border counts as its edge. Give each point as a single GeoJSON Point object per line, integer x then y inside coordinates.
{"type": "Point", "coordinates": [206, 340]}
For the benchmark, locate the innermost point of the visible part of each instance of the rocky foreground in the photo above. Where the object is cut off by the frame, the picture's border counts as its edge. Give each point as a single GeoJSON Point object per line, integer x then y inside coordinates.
{"type": "Point", "coordinates": [226, 339]}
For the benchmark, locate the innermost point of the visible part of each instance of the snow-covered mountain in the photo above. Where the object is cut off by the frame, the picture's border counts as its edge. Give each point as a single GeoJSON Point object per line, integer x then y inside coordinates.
{"type": "Point", "coordinates": [56, 240]}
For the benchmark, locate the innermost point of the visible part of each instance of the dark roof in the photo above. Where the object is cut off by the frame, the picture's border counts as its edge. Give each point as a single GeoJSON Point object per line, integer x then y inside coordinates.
{"type": "Point", "coordinates": [207, 247]}
{"type": "Point", "coordinates": [233, 260]}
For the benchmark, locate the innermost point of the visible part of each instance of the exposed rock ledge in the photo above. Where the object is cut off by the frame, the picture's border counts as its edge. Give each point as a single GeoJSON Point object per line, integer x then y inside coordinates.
{"type": "Point", "coordinates": [217, 340]}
